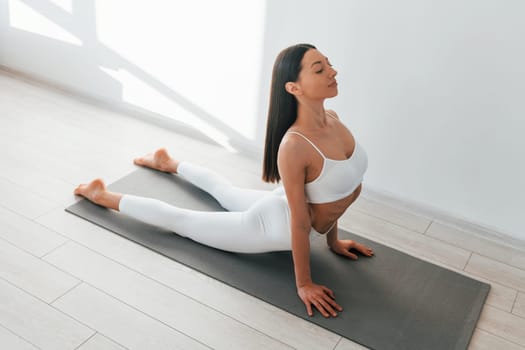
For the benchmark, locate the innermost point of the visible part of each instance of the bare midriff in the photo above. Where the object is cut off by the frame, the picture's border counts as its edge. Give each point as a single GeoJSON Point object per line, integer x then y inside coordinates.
{"type": "Point", "coordinates": [324, 215]}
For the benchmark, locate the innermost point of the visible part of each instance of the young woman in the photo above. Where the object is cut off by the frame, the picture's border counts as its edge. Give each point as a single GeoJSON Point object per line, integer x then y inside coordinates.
{"type": "Point", "coordinates": [308, 148]}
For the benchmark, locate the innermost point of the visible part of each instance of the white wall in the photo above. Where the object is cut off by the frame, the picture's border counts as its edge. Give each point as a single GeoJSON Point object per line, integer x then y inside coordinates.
{"type": "Point", "coordinates": [430, 88]}
{"type": "Point", "coordinates": [197, 62]}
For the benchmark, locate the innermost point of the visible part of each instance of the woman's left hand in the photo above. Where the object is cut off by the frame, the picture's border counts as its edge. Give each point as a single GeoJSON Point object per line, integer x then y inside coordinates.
{"type": "Point", "coordinates": [343, 246]}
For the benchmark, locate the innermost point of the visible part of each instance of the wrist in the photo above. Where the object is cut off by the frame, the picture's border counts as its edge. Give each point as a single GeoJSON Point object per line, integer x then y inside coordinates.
{"type": "Point", "coordinates": [333, 243]}
{"type": "Point", "coordinates": [300, 284]}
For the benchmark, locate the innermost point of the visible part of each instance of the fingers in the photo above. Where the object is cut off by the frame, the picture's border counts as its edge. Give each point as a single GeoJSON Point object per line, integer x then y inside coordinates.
{"type": "Point", "coordinates": [328, 291]}
{"type": "Point", "coordinates": [330, 298]}
{"type": "Point", "coordinates": [333, 303]}
{"type": "Point", "coordinates": [362, 248]}
{"type": "Point", "coordinates": [309, 309]}
{"type": "Point", "coordinates": [322, 298]}
{"type": "Point", "coordinates": [326, 306]}
{"type": "Point", "coordinates": [350, 255]}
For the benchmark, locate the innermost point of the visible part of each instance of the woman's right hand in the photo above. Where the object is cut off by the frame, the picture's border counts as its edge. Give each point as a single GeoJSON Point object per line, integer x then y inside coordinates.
{"type": "Point", "coordinates": [321, 297]}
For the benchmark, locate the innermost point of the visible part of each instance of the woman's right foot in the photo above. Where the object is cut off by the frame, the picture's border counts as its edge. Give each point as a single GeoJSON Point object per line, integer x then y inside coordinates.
{"type": "Point", "coordinates": [160, 160]}
{"type": "Point", "coordinates": [92, 191]}
{"type": "Point", "coordinates": [97, 193]}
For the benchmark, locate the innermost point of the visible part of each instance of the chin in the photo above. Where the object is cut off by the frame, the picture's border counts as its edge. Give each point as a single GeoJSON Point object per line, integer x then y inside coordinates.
{"type": "Point", "coordinates": [333, 94]}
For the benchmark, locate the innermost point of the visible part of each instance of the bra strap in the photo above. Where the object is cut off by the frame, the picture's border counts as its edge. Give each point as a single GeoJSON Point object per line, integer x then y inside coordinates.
{"type": "Point", "coordinates": [310, 142]}
{"type": "Point", "coordinates": [331, 115]}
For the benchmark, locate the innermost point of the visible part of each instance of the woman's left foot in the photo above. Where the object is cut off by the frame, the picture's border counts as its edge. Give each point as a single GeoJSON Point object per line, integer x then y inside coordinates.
{"type": "Point", "coordinates": [159, 160]}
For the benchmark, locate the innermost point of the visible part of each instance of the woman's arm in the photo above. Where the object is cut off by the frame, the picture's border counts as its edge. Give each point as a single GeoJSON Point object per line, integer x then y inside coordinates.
{"type": "Point", "coordinates": [292, 169]}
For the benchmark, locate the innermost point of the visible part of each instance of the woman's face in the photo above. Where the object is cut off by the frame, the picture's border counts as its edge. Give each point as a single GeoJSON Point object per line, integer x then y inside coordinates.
{"type": "Point", "coordinates": [317, 77]}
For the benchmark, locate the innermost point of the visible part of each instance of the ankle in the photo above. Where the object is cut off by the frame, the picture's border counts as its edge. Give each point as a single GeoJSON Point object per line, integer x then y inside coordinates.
{"type": "Point", "coordinates": [109, 200]}
{"type": "Point", "coordinates": [98, 196]}
{"type": "Point", "coordinates": [173, 165]}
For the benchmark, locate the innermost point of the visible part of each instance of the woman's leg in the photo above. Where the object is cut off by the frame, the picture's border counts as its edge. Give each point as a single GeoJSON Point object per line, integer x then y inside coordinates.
{"type": "Point", "coordinates": [231, 198]}
{"type": "Point", "coordinates": [263, 228]}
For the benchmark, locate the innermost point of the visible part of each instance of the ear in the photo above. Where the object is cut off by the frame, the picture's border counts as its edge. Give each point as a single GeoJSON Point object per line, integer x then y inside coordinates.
{"type": "Point", "coordinates": [292, 88]}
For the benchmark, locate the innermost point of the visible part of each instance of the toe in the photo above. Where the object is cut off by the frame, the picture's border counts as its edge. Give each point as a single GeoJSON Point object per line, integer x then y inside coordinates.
{"type": "Point", "coordinates": [138, 161]}
{"type": "Point", "coordinates": [78, 190]}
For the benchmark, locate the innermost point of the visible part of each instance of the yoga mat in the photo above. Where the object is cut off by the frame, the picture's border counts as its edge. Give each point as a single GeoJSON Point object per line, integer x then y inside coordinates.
{"type": "Point", "coordinates": [390, 301]}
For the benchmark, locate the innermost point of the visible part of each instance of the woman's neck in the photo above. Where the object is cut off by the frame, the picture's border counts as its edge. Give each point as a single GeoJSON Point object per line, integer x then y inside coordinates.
{"type": "Point", "coordinates": [311, 115]}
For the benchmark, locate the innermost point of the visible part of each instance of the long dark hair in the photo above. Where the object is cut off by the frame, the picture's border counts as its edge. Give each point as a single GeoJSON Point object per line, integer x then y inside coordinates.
{"type": "Point", "coordinates": [282, 112]}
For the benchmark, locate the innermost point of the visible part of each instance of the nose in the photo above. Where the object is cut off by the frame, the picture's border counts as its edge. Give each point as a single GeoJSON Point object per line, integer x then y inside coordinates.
{"type": "Point", "coordinates": [333, 72]}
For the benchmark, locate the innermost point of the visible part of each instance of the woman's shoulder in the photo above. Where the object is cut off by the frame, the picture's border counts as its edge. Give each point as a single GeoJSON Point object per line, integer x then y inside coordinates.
{"type": "Point", "coordinates": [332, 113]}
{"type": "Point", "coordinates": [290, 144]}
{"type": "Point", "coordinates": [292, 150]}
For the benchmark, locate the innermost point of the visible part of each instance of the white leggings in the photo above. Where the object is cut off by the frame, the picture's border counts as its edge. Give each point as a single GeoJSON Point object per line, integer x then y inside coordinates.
{"type": "Point", "coordinates": [256, 221]}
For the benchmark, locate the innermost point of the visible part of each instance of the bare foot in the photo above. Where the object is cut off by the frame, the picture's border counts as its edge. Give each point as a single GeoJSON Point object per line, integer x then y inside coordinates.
{"type": "Point", "coordinates": [160, 160]}
{"type": "Point", "coordinates": [362, 249]}
{"type": "Point", "coordinates": [92, 191]}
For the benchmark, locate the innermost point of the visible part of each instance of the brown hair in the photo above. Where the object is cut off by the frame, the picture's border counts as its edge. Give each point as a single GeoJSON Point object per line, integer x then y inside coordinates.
{"type": "Point", "coordinates": [282, 111]}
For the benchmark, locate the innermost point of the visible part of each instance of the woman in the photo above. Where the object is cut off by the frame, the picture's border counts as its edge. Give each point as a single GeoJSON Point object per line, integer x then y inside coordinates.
{"type": "Point", "coordinates": [309, 149]}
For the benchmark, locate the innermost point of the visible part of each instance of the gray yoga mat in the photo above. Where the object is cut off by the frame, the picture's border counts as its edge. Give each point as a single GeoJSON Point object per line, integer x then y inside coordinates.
{"type": "Point", "coordinates": [390, 301]}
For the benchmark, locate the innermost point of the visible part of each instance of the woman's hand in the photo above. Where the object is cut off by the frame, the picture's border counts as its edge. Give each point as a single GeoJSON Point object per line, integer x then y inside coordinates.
{"type": "Point", "coordinates": [319, 296]}
{"type": "Point", "coordinates": [342, 247]}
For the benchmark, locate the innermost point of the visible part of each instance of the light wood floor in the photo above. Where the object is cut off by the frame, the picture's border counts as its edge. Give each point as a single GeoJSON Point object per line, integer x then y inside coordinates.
{"type": "Point", "coordinates": [68, 284]}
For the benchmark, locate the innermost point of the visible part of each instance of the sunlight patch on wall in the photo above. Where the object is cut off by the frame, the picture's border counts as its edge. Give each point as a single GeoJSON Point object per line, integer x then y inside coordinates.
{"type": "Point", "coordinates": [207, 53]}
{"type": "Point", "coordinates": [65, 5]}
{"type": "Point", "coordinates": [141, 94]}
{"type": "Point", "coordinates": [23, 17]}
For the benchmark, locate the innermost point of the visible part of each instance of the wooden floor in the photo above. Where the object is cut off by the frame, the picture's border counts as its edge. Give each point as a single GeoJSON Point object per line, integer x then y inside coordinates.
{"type": "Point", "coordinates": [68, 284]}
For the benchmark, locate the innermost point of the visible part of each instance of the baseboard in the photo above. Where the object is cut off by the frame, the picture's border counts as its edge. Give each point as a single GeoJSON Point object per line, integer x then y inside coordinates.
{"type": "Point", "coordinates": [157, 119]}
{"type": "Point", "coordinates": [469, 227]}
{"type": "Point", "coordinates": [475, 229]}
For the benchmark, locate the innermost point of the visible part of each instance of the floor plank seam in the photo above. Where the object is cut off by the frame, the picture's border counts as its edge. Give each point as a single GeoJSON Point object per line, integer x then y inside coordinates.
{"type": "Point", "coordinates": [502, 338]}
{"type": "Point", "coordinates": [428, 226]}
{"type": "Point", "coordinates": [141, 312]}
{"type": "Point", "coordinates": [410, 252]}
{"type": "Point", "coordinates": [67, 291]}
{"type": "Point", "coordinates": [23, 290]}
{"type": "Point", "coordinates": [491, 236]}
{"type": "Point", "coordinates": [48, 212]}
{"type": "Point", "coordinates": [386, 220]}
{"type": "Point", "coordinates": [498, 282]}
{"type": "Point", "coordinates": [19, 336]}
{"type": "Point", "coordinates": [468, 260]}
{"type": "Point", "coordinates": [420, 210]}
{"type": "Point", "coordinates": [54, 249]}
{"type": "Point", "coordinates": [337, 344]}
{"type": "Point", "coordinates": [500, 262]}
{"type": "Point", "coordinates": [88, 339]}
{"type": "Point", "coordinates": [429, 237]}
{"type": "Point", "coordinates": [25, 189]}
{"type": "Point", "coordinates": [13, 244]}
{"type": "Point", "coordinates": [170, 288]}
{"type": "Point", "coordinates": [514, 304]}
{"type": "Point", "coordinates": [477, 252]}
{"type": "Point", "coordinates": [43, 301]}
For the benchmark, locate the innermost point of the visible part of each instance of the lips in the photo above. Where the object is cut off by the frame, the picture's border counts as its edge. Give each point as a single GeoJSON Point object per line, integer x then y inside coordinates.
{"type": "Point", "coordinates": [333, 84]}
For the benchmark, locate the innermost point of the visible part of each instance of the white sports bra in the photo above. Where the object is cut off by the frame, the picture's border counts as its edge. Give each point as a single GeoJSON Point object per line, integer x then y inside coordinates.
{"type": "Point", "coordinates": [338, 178]}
